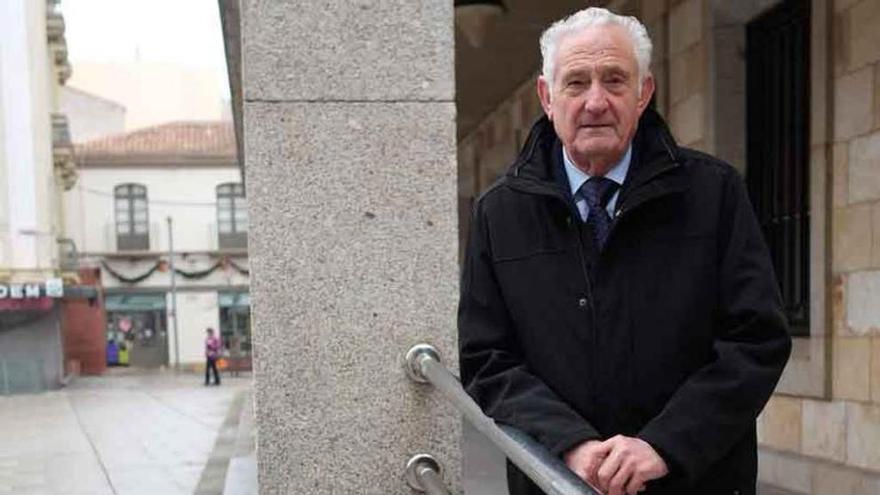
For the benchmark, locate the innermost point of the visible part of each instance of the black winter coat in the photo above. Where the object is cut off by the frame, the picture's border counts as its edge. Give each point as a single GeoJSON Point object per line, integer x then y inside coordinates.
{"type": "Point", "coordinates": [672, 333]}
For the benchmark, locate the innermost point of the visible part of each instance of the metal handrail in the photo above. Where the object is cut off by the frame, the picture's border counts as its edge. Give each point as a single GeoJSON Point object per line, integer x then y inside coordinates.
{"type": "Point", "coordinates": [424, 365]}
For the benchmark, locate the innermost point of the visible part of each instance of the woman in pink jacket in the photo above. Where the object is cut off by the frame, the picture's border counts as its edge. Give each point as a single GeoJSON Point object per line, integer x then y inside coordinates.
{"type": "Point", "coordinates": [212, 353]}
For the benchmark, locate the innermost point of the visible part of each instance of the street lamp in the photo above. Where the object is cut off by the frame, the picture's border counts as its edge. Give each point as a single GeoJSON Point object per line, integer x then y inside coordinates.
{"type": "Point", "coordinates": [474, 17]}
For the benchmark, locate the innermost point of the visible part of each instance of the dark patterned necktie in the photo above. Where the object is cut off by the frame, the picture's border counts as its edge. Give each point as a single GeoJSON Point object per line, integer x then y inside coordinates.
{"type": "Point", "coordinates": [597, 192]}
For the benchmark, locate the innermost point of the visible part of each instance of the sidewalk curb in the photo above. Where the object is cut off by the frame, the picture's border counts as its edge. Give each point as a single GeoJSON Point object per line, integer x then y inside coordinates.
{"type": "Point", "coordinates": [213, 477]}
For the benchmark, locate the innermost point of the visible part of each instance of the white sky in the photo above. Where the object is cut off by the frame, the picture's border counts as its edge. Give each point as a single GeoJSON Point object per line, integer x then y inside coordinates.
{"type": "Point", "coordinates": [183, 32]}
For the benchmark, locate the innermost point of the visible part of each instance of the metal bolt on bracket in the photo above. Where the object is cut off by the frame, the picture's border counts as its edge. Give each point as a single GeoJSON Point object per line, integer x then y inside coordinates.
{"type": "Point", "coordinates": [413, 361]}
{"type": "Point", "coordinates": [425, 475]}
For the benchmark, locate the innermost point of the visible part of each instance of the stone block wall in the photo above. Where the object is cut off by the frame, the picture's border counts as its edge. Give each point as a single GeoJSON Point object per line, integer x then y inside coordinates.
{"type": "Point", "coordinates": [685, 57]}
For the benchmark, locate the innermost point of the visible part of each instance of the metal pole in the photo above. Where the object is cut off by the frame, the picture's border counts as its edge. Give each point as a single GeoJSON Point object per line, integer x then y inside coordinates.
{"type": "Point", "coordinates": [546, 470]}
{"type": "Point", "coordinates": [173, 294]}
{"type": "Point", "coordinates": [5, 377]}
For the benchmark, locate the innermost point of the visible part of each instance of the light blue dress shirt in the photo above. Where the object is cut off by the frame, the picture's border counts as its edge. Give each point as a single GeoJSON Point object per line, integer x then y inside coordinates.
{"type": "Point", "coordinates": [576, 178]}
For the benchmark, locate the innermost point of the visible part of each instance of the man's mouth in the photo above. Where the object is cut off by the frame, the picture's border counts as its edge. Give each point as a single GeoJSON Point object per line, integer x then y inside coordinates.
{"type": "Point", "coordinates": [595, 126]}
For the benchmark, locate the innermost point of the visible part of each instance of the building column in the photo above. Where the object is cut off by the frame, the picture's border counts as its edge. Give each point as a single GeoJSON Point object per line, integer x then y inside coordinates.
{"type": "Point", "coordinates": [18, 82]}
{"type": "Point", "coordinates": [349, 123]}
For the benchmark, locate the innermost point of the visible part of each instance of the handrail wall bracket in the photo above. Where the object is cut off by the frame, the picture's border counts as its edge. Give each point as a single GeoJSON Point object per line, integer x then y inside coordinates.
{"type": "Point", "coordinates": [413, 361]}
{"type": "Point", "coordinates": [417, 467]}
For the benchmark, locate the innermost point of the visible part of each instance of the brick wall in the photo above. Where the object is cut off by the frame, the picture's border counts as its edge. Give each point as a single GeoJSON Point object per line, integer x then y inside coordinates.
{"type": "Point", "coordinates": [83, 324]}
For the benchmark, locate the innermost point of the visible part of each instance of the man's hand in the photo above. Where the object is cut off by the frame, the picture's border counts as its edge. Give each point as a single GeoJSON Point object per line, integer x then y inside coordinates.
{"type": "Point", "coordinates": [585, 459]}
{"type": "Point", "coordinates": [616, 466]}
{"type": "Point", "coordinates": [629, 463]}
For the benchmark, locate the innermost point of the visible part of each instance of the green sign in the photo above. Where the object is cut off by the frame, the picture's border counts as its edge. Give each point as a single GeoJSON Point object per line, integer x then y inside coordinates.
{"type": "Point", "coordinates": [134, 302]}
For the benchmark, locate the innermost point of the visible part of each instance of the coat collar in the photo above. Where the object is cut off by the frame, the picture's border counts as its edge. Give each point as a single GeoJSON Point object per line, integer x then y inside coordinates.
{"type": "Point", "coordinates": [655, 169]}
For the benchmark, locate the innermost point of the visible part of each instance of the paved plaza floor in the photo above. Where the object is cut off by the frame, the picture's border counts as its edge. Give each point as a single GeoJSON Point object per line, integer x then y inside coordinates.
{"type": "Point", "coordinates": [129, 432]}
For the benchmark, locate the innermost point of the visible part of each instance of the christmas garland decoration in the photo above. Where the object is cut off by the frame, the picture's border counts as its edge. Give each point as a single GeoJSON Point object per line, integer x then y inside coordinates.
{"type": "Point", "coordinates": [244, 271]}
{"type": "Point", "coordinates": [130, 280]}
{"type": "Point", "coordinates": [201, 273]}
{"type": "Point", "coordinates": [162, 265]}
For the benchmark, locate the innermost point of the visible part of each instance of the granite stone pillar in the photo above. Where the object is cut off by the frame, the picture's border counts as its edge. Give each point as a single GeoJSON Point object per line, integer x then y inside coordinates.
{"type": "Point", "coordinates": [349, 124]}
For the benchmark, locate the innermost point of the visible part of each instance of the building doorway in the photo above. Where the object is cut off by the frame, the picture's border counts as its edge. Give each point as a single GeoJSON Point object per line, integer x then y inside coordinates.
{"type": "Point", "coordinates": [235, 328]}
{"type": "Point", "coordinates": [136, 333]}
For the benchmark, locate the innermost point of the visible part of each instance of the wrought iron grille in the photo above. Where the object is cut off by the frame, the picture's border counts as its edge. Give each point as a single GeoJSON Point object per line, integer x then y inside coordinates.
{"type": "Point", "coordinates": [778, 105]}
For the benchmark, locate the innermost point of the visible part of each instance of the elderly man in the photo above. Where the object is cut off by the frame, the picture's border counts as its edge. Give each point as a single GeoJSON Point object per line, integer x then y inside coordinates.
{"type": "Point", "coordinates": [618, 301]}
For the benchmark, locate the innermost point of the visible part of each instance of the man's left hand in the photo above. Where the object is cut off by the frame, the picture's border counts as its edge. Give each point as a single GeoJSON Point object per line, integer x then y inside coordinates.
{"type": "Point", "coordinates": [630, 463]}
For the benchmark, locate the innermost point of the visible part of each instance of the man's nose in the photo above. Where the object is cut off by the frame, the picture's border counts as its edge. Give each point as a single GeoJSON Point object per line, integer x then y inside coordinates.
{"type": "Point", "coordinates": [596, 99]}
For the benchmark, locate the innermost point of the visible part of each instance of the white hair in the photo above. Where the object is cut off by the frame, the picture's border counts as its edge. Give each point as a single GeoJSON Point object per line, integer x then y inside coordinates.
{"type": "Point", "coordinates": [592, 17]}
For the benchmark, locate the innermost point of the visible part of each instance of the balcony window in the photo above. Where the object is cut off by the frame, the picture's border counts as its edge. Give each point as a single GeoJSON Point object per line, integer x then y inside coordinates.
{"type": "Point", "coordinates": [132, 217]}
{"type": "Point", "coordinates": [232, 219]}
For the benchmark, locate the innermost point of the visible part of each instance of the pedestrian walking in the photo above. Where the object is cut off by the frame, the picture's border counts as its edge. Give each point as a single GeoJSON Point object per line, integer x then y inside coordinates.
{"type": "Point", "coordinates": [212, 353]}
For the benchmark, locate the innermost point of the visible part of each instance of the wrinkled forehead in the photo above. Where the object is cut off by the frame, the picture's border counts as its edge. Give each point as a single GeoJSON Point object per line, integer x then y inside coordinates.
{"type": "Point", "coordinates": [608, 43]}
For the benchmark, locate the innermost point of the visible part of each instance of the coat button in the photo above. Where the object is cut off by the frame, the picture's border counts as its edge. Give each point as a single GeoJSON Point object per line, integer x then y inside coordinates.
{"type": "Point", "coordinates": [582, 302]}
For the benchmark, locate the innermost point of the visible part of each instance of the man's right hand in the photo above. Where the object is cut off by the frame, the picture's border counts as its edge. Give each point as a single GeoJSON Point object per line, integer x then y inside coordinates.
{"type": "Point", "coordinates": [585, 459]}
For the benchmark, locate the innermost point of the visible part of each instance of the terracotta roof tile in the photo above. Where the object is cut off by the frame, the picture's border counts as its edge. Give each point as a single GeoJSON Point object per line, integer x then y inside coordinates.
{"type": "Point", "coordinates": [185, 139]}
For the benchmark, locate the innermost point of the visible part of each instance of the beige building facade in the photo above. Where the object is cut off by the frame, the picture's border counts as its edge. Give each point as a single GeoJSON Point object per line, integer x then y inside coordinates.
{"type": "Point", "coordinates": [36, 167]}
{"type": "Point", "coordinates": [138, 193]}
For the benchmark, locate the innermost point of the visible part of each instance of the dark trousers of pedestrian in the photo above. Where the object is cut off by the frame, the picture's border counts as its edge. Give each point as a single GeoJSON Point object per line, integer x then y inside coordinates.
{"type": "Point", "coordinates": [212, 366]}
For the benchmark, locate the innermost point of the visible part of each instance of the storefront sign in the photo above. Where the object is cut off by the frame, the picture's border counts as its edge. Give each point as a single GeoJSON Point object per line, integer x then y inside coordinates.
{"type": "Point", "coordinates": [52, 287]}
{"type": "Point", "coordinates": [33, 304]}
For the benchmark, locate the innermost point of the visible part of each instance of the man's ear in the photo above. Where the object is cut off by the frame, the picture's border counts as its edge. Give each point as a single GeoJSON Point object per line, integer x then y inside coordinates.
{"type": "Point", "coordinates": [544, 96]}
{"type": "Point", "coordinates": [646, 93]}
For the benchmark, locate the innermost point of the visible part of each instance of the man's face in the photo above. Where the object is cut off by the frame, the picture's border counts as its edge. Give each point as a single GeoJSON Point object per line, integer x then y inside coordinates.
{"type": "Point", "coordinates": [594, 102]}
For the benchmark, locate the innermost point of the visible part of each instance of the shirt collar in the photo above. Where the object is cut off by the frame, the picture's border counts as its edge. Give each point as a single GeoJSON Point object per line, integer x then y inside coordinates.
{"type": "Point", "coordinates": [576, 177]}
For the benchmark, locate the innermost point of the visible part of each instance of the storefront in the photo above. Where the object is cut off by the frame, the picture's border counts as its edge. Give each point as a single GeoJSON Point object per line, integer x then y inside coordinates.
{"type": "Point", "coordinates": [136, 333]}
{"type": "Point", "coordinates": [30, 337]}
{"type": "Point", "coordinates": [235, 328]}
